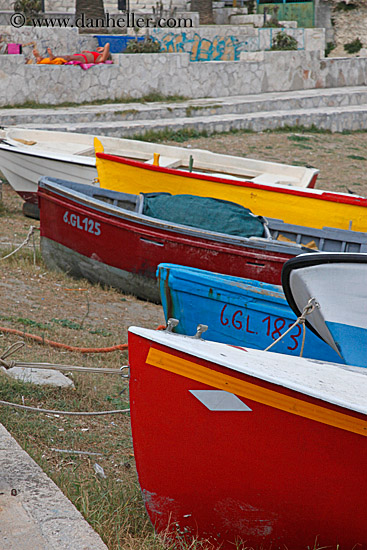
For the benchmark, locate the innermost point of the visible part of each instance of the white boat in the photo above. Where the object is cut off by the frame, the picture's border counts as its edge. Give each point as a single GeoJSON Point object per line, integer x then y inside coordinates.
{"type": "Point", "coordinates": [26, 155]}
{"type": "Point", "coordinates": [338, 283]}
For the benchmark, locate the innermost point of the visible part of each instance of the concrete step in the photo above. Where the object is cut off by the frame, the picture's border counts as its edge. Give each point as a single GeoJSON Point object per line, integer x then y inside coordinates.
{"type": "Point", "coordinates": [335, 119]}
{"type": "Point", "coordinates": [195, 108]}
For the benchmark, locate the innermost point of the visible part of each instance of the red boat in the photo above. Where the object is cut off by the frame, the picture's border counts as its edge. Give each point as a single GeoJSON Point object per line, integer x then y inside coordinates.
{"type": "Point", "coordinates": [239, 446]}
{"type": "Point", "coordinates": [103, 236]}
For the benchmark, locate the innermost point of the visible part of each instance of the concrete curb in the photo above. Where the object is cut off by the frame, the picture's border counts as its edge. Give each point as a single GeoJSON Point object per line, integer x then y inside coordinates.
{"type": "Point", "coordinates": [37, 516]}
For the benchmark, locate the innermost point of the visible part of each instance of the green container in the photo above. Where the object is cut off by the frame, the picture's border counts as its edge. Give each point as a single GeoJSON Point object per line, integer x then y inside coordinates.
{"type": "Point", "coordinates": [302, 12]}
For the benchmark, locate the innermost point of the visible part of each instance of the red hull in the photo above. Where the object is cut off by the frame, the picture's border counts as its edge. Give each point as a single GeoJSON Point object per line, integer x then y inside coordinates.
{"type": "Point", "coordinates": [268, 478]}
{"type": "Point", "coordinates": [137, 248]}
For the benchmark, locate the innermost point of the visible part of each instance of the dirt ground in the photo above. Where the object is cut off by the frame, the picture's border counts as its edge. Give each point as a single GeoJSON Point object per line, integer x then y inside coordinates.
{"type": "Point", "coordinates": [38, 294]}
{"type": "Point", "coordinates": [75, 312]}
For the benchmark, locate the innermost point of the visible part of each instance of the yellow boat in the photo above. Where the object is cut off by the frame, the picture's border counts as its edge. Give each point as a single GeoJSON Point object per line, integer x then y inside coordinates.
{"type": "Point", "coordinates": [294, 205]}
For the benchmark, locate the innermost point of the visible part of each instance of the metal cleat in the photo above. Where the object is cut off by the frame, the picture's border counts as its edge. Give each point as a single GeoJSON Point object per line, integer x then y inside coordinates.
{"type": "Point", "coordinates": [171, 324]}
{"type": "Point", "coordinates": [199, 330]}
{"type": "Point", "coordinates": [128, 371]}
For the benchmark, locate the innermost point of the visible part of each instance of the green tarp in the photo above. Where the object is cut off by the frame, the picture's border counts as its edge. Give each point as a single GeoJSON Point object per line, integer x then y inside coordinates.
{"type": "Point", "coordinates": [205, 213]}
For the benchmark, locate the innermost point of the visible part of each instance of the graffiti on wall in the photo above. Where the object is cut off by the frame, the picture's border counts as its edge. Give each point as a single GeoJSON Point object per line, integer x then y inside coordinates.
{"type": "Point", "coordinates": [221, 48]}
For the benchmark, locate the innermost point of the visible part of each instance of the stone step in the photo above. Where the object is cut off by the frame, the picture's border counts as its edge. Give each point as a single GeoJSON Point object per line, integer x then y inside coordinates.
{"type": "Point", "coordinates": [335, 119]}
{"type": "Point", "coordinates": [194, 108]}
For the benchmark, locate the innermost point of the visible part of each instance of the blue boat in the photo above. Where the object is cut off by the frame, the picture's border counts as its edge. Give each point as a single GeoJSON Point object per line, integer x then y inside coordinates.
{"type": "Point", "coordinates": [241, 312]}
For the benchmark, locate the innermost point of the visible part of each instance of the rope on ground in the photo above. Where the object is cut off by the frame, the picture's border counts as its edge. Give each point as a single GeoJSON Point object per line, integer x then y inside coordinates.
{"type": "Point", "coordinates": [309, 308]}
{"type": "Point", "coordinates": [53, 344]}
{"type": "Point", "coordinates": [24, 243]}
{"type": "Point", "coordinates": [45, 341]}
{"type": "Point", "coordinates": [67, 413]}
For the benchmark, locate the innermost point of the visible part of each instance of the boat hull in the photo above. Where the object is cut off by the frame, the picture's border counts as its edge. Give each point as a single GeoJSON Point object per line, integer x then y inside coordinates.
{"type": "Point", "coordinates": [92, 240]}
{"type": "Point", "coordinates": [307, 207]}
{"type": "Point", "coordinates": [23, 169]}
{"type": "Point", "coordinates": [237, 311]}
{"type": "Point", "coordinates": [253, 473]}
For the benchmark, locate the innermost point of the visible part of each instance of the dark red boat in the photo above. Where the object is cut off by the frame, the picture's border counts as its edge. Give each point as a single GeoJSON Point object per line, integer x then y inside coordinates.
{"type": "Point", "coordinates": [103, 236]}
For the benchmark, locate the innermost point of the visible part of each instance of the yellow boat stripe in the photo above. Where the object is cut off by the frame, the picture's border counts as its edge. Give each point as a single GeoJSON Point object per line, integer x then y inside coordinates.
{"type": "Point", "coordinates": [191, 370]}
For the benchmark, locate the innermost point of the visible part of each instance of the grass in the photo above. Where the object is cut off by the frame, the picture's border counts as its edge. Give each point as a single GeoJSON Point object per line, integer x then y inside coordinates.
{"type": "Point", "coordinates": [148, 98]}
{"type": "Point", "coordinates": [114, 508]}
{"type": "Point", "coordinates": [297, 137]}
{"type": "Point", "coordinates": [186, 134]}
{"type": "Point", "coordinates": [356, 157]}
{"type": "Point", "coordinates": [68, 323]}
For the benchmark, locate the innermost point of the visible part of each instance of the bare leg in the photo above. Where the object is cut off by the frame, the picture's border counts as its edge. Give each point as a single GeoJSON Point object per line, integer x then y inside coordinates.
{"type": "Point", "coordinates": [37, 55]}
{"type": "Point", "coordinates": [50, 54]}
{"type": "Point", "coordinates": [104, 55]}
{"type": "Point", "coordinates": [66, 57]}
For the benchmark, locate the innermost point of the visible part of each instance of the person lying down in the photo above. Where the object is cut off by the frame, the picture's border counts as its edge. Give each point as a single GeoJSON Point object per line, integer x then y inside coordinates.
{"type": "Point", "coordinates": [101, 55]}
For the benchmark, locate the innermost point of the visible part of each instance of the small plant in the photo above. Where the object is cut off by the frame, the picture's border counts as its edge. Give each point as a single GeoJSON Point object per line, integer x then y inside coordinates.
{"type": "Point", "coordinates": [354, 46]}
{"type": "Point", "coordinates": [330, 46]}
{"type": "Point", "coordinates": [297, 137]}
{"type": "Point", "coordinates": [356, 157]}
{"type": "Point", "coordinates": [343, 6]}
{"type": "Point", "coordinates": [282, 41]}
{"type": "Point", "coordinates": [148, 45]}
{"type": "Point", "coordinates": [31, 9]}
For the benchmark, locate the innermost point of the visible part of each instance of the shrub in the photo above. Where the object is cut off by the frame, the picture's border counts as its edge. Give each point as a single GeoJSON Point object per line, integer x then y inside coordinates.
{"type": "Point", "coordinates": [282, 41]}
{"type": "Point", "coordinates": [148, 45]}
{"type": "Point", "coordinates": [330, 46]}
{"type": "Point", "coordinates": [354, 46]}
{"type": "Point", "coordinates": [30, 8]}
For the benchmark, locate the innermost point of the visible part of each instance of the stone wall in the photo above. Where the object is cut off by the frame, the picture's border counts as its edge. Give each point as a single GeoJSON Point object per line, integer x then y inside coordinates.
{"type": "Point", "coordinates": [67, 40]}
{"type": "Point", "coordinates": [226, 42]}
{"type": "Point", "coordinates": [206, 43]}
{"type": "Point", "coordinates": [173, 74]}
